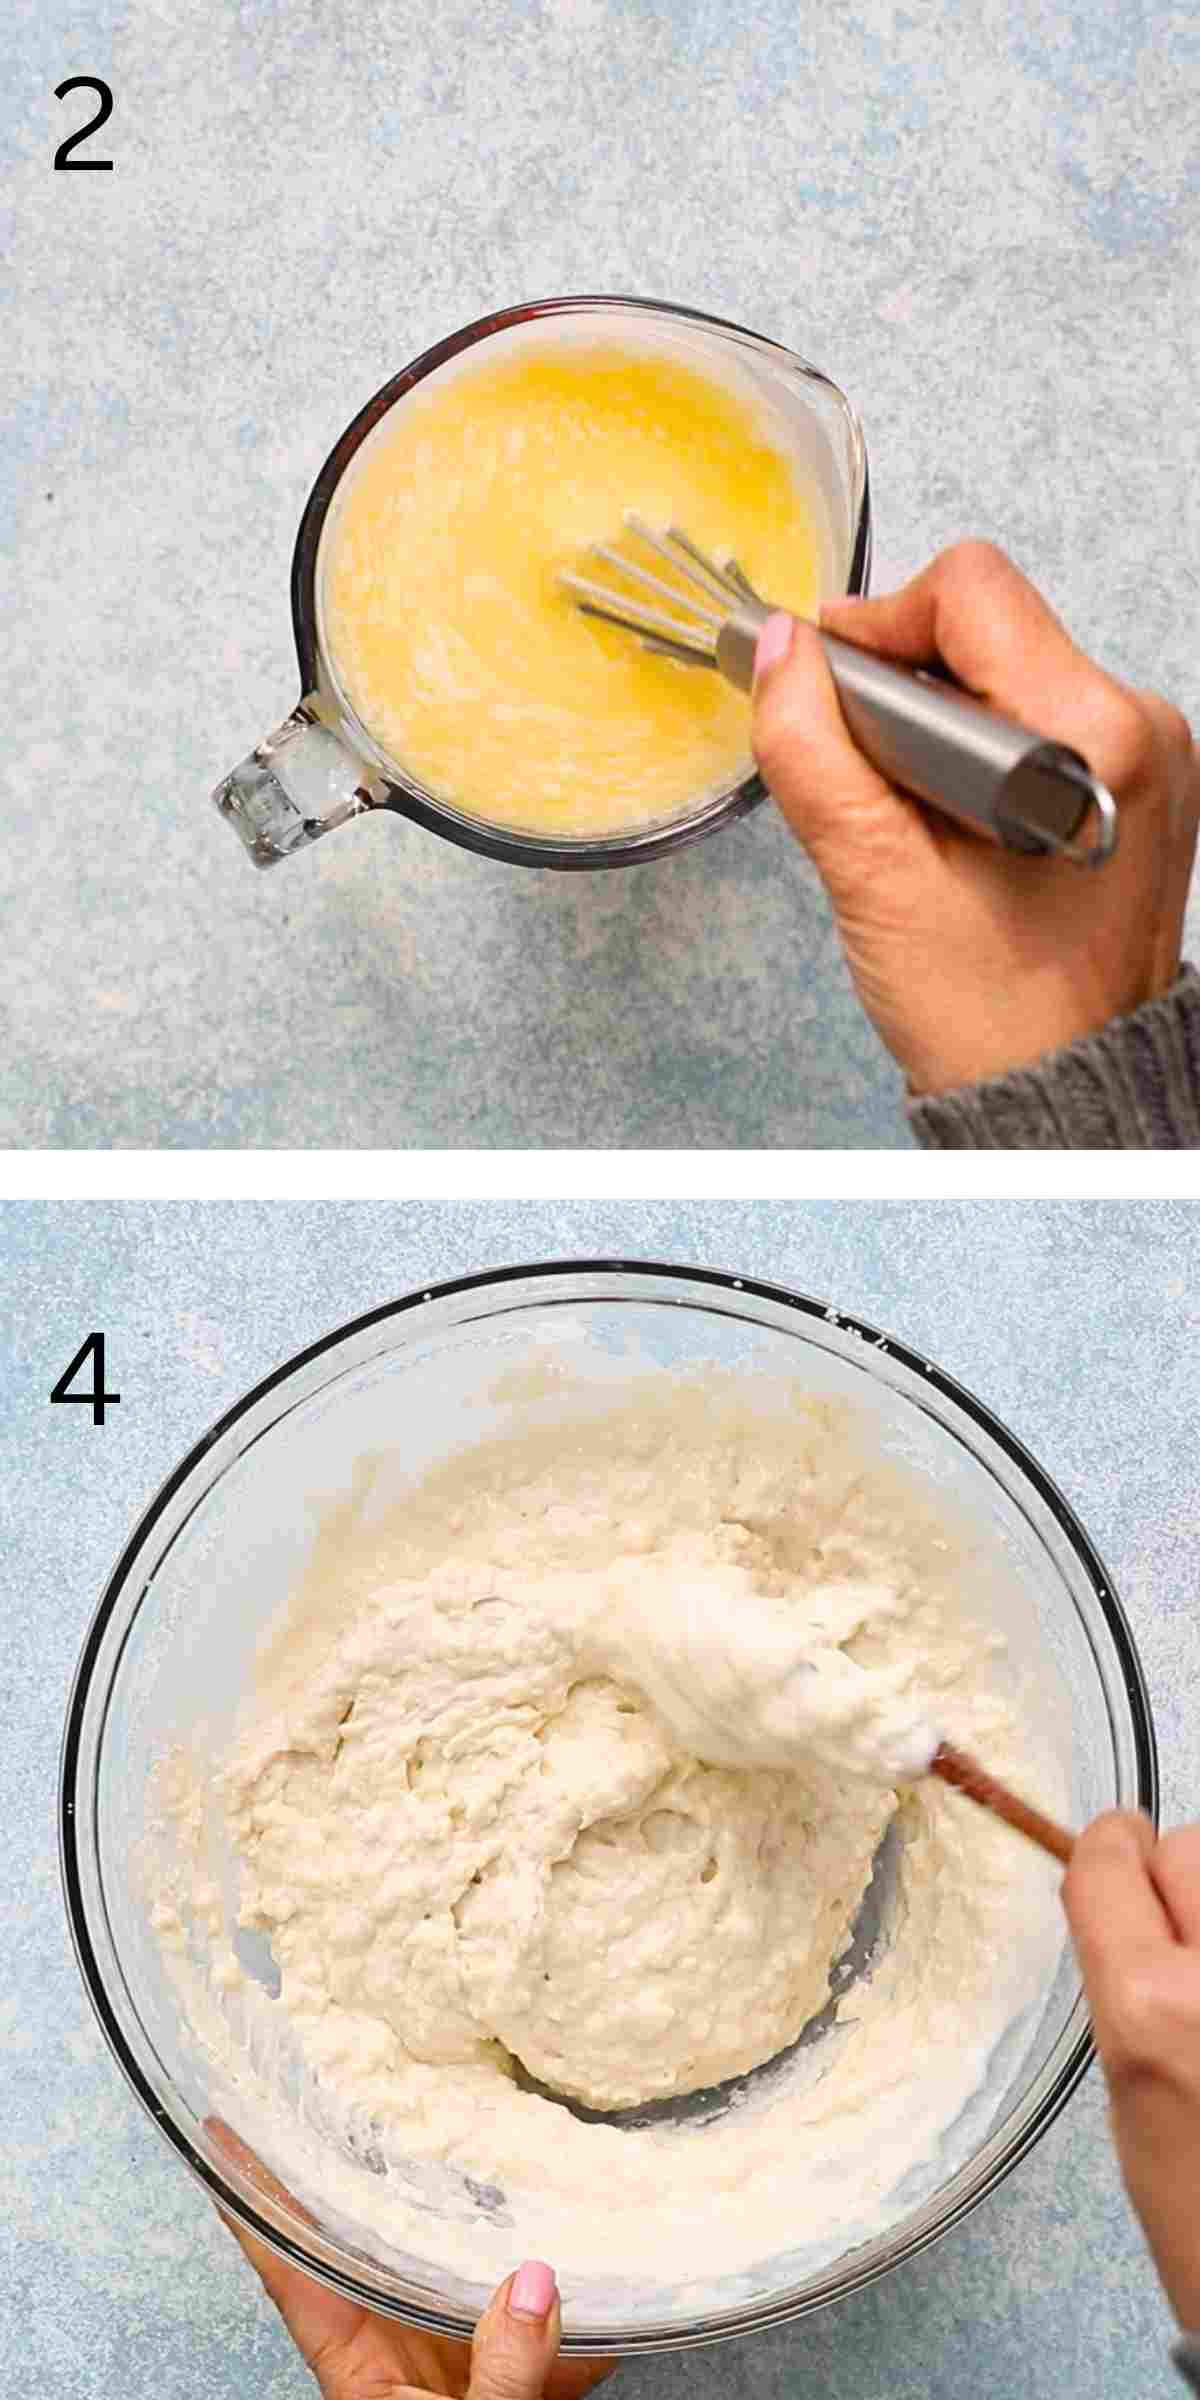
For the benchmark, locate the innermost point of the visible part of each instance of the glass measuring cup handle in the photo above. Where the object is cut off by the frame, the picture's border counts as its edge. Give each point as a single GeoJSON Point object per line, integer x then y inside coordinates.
{"type": "Point", "coordinates": [298, 783]}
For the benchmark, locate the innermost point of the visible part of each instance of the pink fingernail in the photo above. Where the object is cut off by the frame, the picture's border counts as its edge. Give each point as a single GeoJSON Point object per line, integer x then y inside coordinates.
{"type": "Point", "coordinates": [773, 644]}
{"type": "Point", "coordinates": [533, 2290]}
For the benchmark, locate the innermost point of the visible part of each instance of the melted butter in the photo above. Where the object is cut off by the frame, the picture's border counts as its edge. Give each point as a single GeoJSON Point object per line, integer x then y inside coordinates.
{"type": "Point", "coordinates": [448, 630]}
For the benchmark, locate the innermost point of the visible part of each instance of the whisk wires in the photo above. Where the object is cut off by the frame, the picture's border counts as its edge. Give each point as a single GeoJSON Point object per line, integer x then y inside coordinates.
{"type": "Point", "coordinates": [688, 630]}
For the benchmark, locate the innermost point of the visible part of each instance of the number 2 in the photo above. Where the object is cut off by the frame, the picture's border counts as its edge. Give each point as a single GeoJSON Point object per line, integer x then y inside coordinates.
{"type": "Point", "coordinates": [84, 83]}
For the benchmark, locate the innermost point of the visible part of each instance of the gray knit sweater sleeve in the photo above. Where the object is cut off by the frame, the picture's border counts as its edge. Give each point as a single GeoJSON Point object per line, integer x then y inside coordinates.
{"type": "Point", "coordinates": [1133, 1086]}
{"type": "Point", "coordinates": [1186, 2355]}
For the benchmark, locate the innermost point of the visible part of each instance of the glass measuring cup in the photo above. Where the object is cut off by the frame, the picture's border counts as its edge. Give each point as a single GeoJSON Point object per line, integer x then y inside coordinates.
{"type": "Point", "coordinates": [321, 767]}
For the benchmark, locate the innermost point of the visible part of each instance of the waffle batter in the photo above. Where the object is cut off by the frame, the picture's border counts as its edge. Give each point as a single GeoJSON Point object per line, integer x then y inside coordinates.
{"type": "Point", "coordinates": [573, 1769]}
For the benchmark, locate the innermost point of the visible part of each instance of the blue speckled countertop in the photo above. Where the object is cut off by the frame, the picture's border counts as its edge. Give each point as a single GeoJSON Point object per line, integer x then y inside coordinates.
{"type": "Point", "coordinates": [984, 225]}
{"type": "Point", "coordinates": [1077, 1323]}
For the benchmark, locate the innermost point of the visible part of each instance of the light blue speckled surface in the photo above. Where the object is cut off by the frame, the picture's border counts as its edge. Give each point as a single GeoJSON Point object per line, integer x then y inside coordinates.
{"type": "Point", "coordinates": [983, 223]}
{"type": "Point", "coordinates": [1078, 1324]}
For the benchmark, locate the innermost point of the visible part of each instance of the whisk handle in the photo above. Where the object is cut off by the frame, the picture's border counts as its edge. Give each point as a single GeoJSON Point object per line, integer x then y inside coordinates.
{"type": "Point", "coordinates": [946, 748]}
{"type": "Point", "coordinates": [943, 746]}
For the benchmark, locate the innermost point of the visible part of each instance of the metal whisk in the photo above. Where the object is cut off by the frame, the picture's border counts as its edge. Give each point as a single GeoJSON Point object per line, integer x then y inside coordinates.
{"type": "Point", "coordinates": [922, 731]}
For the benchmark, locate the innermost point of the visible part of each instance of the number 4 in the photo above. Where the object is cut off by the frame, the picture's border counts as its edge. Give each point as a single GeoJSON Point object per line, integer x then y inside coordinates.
{"type": "Point", "coordinates": [97, 1398]}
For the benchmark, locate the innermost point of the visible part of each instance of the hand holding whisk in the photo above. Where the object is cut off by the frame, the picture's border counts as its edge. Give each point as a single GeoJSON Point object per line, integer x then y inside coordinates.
{"type": "Point", "coordinates": [922, 731]}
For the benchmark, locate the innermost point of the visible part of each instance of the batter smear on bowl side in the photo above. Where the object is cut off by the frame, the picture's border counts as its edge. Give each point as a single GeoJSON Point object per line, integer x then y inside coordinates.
{"type": "Point", "coordinates": [573, 1767]}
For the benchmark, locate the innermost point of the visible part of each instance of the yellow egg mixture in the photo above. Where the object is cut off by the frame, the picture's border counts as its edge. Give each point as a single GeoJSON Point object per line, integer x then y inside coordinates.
{"type": "Point", "coordinates": [444, 618]}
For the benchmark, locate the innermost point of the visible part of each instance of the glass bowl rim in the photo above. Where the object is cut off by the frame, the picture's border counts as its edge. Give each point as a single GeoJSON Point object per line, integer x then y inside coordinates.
{"type": "Point", "coordinates": [843, 2276]}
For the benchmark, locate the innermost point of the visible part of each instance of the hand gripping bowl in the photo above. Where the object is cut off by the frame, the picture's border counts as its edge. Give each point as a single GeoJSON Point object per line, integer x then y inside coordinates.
{"type": "Point", "coordinates": [219, 1549]}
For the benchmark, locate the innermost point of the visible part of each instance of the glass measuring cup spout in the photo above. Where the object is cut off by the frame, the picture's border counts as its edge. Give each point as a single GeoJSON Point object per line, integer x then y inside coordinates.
{"type": "Point", "coordinates": [323, 766]}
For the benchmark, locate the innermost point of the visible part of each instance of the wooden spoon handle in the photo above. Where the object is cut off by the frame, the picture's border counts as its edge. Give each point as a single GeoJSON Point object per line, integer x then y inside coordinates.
{"type": "Point", "coordinates": [967, 1776]}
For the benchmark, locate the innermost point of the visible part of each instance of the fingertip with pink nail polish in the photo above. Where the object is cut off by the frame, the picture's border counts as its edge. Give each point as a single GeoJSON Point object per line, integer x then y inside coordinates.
{"type": "Point", "coordinates": [533, 2291]}
{"type": "Point", "coordinates": [773, 644]}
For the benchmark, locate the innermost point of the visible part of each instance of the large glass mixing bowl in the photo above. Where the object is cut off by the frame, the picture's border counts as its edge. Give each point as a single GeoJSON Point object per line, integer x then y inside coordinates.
{"type": "Point", "coordinates": [218, 1551]}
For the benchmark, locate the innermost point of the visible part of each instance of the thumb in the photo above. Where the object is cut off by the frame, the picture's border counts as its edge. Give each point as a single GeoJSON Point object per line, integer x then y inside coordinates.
{"type": "Point", "coordinates": [516, 2339]}
{"type": "Point", "coordinates": [854, 826]}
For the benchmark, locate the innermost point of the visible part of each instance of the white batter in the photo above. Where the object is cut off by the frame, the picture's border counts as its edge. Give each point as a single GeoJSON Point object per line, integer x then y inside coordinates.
{"type": "Point", "coordinates": [573, 1768]}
